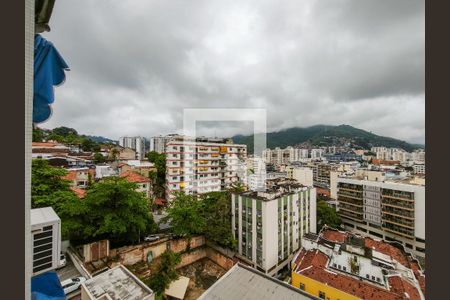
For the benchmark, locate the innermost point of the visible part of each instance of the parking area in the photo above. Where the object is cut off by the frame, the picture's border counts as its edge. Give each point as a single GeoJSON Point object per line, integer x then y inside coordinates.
{"type": "Point", "coordinates": [69, 271]}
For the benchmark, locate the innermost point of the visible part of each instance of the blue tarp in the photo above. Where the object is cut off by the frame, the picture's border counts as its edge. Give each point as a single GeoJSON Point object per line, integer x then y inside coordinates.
{"type": "Point", "coordinates": [47, 286]}
{"type": "Point", "coordinates": [49, 69]}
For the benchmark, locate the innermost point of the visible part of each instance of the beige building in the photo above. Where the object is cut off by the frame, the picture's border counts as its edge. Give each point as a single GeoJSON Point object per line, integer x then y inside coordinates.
{"type": "Point", "coordinates": [303, 175]}
{"type": "Point", "coordinates": [391, 210]}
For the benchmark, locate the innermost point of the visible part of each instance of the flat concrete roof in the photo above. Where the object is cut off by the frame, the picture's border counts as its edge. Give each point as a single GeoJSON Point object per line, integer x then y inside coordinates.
{"type": "Point", "coordinates": [242, 282]}
{"type": "Point", "coordinates": [118, 283]}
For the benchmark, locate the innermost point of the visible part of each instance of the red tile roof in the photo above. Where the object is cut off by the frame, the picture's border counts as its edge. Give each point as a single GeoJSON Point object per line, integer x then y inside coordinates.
{"type": "Point", "coordinates": [79, 192]}
{"type": "Point", "coordinates": [388, 249]}
{"type": "Point", "coordinates": [134, 177]}
{"type": "Point", "coordinates": [334, 236]}
{"type": "Point", "coordinates": [160, 201]}
{"type": "Point", "coordinates": [44, 144]}
{"type": "Point", "coordinates": [313, 263]}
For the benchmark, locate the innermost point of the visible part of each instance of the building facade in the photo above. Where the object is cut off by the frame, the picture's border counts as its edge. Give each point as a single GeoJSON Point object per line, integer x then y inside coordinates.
{"type": "Point", "coordinates": [195, 167]}
{"type": "Point", "coordinates": [269, 225]}
{"type": "Point", "coordinates": [338, 265]}
{"type": "Point", "coordinates": [136, 143]}
{"type": "Point", "coordinates": [393, 211]}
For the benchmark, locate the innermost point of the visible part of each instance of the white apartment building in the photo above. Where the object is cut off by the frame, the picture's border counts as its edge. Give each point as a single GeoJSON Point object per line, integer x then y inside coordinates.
{"type": "Point", "coordinates": [158, 143]}
{"type": "Point", "coordinates": [196, 167]}
{"type": "Point", "coordinates": [303, 175]}
{"type": "Point", "coordinates": [317, 153]}
{"type": "Point", "coordinates": [393, 210]}
{"type": "Point", "coordinates": [136, 143]}
{"type": "Point", "coordinates": [269, 225]}
{"type": "Point", "coordinates": [256, 174]}
{"type": "Point", "coordinates": [285, 156]}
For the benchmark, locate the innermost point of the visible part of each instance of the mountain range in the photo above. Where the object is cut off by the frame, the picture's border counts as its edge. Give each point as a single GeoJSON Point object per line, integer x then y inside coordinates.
{"type": "Point", "coordinates": [326, 135]}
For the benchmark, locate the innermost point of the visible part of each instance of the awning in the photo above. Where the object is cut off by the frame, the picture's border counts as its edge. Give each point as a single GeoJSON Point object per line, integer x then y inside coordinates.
{"type": "Point", "coordinates": [47, 286]}
{"type": "Point", "coordinates": [49, 69]}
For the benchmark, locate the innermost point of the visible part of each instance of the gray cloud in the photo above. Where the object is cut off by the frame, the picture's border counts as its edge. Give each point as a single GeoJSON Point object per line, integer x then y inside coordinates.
{"type": "Point", "coordinates": [136, 64]}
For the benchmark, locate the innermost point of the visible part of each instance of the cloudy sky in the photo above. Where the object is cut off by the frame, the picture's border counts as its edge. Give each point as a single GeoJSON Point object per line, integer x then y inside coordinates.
{"type": "Point", "coordinates": [135, 65]}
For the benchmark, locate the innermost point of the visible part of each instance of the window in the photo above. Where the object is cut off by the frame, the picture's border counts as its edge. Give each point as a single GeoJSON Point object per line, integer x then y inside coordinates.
{"type": "Point", "coordinates": [367, 276]}
{"type": "Point", "coordinates": [321, 295]}
{"type": "Point", "coordinates": [344, 268]}
{"type": "Point", "coordinates": [302, 286]}
{"type": "Point", "coordinates": [373, 278]}
{"type": "Point", "coordinates": [378, 279]}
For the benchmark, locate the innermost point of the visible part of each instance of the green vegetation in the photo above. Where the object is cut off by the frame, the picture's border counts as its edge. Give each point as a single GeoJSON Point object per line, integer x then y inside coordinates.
{"type": "Point", "coordinates": [113, 210]}
{"type": "Point", "coordinates": [166, 272]}
{"type": "Point", "coordinates": [70, 136]}
{"type": "Point", "coordinates": [186, 215]}
{"type": "Point", "coordinates": [98, 158]}
{"type": "Point", "coordinates": [217, 214]}
{"type": "Point", "coordinates": [324, 135]}
{"type": "Point", "coordinates": [208, 214]}
{"type": "Point", "coordinates": [159, 178]}
{"type": "Point", "coordinates": [47, 186]}
{"type": "Point", "coordinates": [326, 215]}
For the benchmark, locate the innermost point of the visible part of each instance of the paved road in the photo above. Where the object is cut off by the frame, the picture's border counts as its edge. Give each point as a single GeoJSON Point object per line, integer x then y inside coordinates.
{"type": "Point", "coordinates": [69, 271]}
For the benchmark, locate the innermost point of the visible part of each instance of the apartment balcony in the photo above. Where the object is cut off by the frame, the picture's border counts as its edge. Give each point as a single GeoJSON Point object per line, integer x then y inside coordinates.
{"type": "Point", "coordinates": [399, 213]}
{"type": "Point", "coordinates": [398, 204]}
{"type": "Point", "coordinates": [398, 222]}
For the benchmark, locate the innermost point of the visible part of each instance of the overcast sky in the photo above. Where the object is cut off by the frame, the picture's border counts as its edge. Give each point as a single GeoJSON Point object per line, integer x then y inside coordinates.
{"type": "Point", "coordinates": [136, 64]}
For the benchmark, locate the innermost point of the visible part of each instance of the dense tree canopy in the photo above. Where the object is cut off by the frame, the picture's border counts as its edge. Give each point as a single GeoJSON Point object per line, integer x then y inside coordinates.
{"type": "Point", "coordinates": [47, 186]}
{"type": "Point", "coordinates": [113, 210]}
{"type": "Point", "coordinates": [217, 214]}
{"type": "Point", "coordinates": [208, 214]}
{"type": "Point", "coordinates": [327, 215]}
{"type": "Point", "coordinates": [159, 178]}
{"type": "Point", "coordinates": [185, 215]}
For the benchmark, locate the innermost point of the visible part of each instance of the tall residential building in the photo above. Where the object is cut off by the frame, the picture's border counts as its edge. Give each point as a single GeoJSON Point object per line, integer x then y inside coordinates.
{"type": "Point", "coordinates": [197, 166]}
{"type": "Point", "coordinates": [257, 174]}
{"type": "Point", "coordinates": [303, 175]}
{"type": "Point", "coordinates": [285, 156]}
{"type": "Point", "coordinates": [340, 265]}
{"type": "Point", "coordinates": [269, 225]}
{"type": "Point", "coordinates": [391, 210]}
{"type": "Point", "coordinates": [317, 153]}
{"type": "Point", "coordinates": [136, 143]}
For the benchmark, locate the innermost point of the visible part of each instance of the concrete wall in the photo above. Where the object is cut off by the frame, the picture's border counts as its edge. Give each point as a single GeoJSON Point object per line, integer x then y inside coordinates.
{"type": "Point", "coordinates": [131, 255]}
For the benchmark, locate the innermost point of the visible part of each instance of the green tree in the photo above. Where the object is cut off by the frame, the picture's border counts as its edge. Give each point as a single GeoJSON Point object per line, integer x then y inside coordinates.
{"type": "Point", "coordinates": [217, 214]}
{"type": "Point", "coordinates": [185, 215]}
{"type": "Point", "coordinates": [166, 272]}
{"type": "Point", "coordinates": [38, 134]}
{"type": "Point", "coordinates": [113, 210]}
{"type": "Point", "coordinates": [47, 184]}
{"type": "Point", "coordinates": [160, 164]}
{"type": "Point", "coordinates": [327, 215]}
{"type": "Point", "coordinates": [64, 131]}
{"type": "Point", "coordinates": [98, 158]}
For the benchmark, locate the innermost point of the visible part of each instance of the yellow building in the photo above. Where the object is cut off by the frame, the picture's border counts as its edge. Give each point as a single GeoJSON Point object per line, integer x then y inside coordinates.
{"type": "Point", "coordinates": [337, 265]}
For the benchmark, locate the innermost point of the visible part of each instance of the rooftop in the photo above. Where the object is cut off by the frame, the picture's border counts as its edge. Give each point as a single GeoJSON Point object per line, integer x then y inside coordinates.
{"type": "Point", "coordinates": [81, 193]}
{"type": "Point", "coordinates": [134, 177]}
{"type": "Point", "coordinates": [119, 284]}
{"type": "Point", "coordinates": [242, 282]}
{"type": "Point", "coordinates": [397, 273]}
{"type": "Point", "coordinates": [276, 188]}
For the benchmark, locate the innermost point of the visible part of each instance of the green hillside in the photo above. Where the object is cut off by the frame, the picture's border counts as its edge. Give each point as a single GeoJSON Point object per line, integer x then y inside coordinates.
{"type": "Point", "coordinates": [326, 135]}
